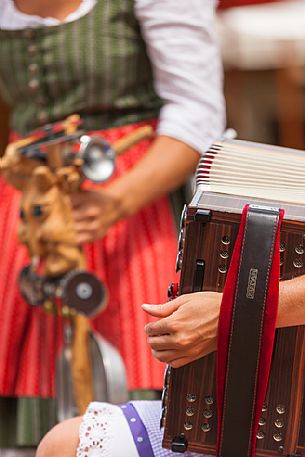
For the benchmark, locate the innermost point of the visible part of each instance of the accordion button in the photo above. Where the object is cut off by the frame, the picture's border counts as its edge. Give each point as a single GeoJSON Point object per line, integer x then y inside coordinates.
{"type": "Point", "coordinates": [190, 412]}
{"type": "Point", "coordinates": [224, 254]}
{"type": "Point", "coordinates": [264, 408]}
{"type": "Point", "coordinates": [225, 240]}
{"type": "Point", "coordinates": [191, 398]}
{"type": "Point", "coordinates": [279, 423]}
{"type": "Point", "coordinates": [299, 249]}
{"type": "Point", "coordinates": [260, 435]}
{"type": "Point", "coordinates": [207, 413]}
{"type": "Point", "coordinates": [209, 400]}
{"type": "Point", "coordinates": [188, 426]}
{"type": "Point", "coordinates": [297, 263]}
{"type": "Point", "coordinates": [280, 409]}
{"type": "Point", "coordinates": [222, 269]}
{"type": "Point", "coordinates": [205, 427]}
{"type": "Point", "coordinates": [278, 437]}
{"type": "Point", "coordinates": [282, 246]}
{"type": "Point", "coordinates": [262, 421]}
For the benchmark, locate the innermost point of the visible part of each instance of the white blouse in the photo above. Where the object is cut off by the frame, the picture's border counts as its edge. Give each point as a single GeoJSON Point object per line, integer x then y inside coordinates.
{"type": "Point", "coordinates": [182, 46]}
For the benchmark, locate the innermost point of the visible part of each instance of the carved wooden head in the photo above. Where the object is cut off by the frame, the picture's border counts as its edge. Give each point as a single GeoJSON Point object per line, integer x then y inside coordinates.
{"type": "Point", "coordinates": [47, 226]}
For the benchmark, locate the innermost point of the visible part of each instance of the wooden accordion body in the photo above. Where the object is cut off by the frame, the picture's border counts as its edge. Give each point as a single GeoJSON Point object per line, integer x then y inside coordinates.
{"type": "Point", "coordinates": [209, 228]}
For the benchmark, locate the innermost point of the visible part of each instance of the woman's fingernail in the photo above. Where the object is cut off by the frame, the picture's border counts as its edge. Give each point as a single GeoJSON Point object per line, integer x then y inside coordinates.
{"type": "Point", "coordinates": [147, 329]}
{"type": "Point", "coordinates": [147, 305]}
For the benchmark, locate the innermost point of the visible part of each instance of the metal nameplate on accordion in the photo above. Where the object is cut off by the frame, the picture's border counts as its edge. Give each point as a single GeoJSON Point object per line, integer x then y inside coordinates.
{"type": "Point", "coordinates": [208, 231]}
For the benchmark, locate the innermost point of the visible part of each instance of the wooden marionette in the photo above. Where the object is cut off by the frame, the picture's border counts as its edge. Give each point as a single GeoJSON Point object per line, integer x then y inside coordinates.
{"type": "Point", "coordinates": [46, 168]}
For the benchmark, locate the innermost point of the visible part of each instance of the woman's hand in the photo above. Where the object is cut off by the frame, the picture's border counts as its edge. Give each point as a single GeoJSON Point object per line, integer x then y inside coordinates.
{"type": "Point", "coordinates": [94, 212]}
{"type": "Point", "coordinates": [187, 328]}
{"type": "Point", "coordinates": [155, 175]}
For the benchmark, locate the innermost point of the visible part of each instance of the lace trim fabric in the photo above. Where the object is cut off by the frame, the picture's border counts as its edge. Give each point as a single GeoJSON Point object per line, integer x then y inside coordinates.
{"type": "Point", "coordinates": [104, 431]}
{"type": "Point", "coordinates": [95, 431]}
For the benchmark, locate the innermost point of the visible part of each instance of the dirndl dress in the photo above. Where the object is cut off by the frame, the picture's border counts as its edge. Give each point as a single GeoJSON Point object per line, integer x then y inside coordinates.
{"type": "Point", "coordinates": [136, 260]}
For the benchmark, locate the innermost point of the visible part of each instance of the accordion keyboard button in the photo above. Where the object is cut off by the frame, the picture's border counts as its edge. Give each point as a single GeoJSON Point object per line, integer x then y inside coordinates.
{"type": "Point", "coordinates": [207, 413]}
{"type": "Point", "coordinates": [191, 398]}
{"type": "Point", "coordinates": [260, 435]}
{"type": "Point", "coordinates": [279, 423]}
{"type": "Point", "coordinates": [224, 254]}
{"type": "Point", "coordinates": [209, 400]}
{"type": "Point", "coordinates": [298, 263]}
{"type": "Point", "coordinates": [278, 437]}
{"type": "Point", "coordinates": [280, 409]}
{"type": "Point", "coordinates": [225, 240]}
{"type": "Point", "coordinates": [299, 249]}
{"type": "Point", "coordinates": [222, 269]}
{"type": "Point", "coordinates": [206, 427]}
{"type": "Point", "coordinates": [190, 412]}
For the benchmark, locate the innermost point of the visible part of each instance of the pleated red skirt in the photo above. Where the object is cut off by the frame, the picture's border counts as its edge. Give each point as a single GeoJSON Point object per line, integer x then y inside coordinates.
{"type": "Point", "coordinates": [136, 260]}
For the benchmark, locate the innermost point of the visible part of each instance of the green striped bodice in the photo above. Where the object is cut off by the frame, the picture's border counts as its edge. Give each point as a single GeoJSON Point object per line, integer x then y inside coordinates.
{"type": "Point", "coordinates": [96, 66]}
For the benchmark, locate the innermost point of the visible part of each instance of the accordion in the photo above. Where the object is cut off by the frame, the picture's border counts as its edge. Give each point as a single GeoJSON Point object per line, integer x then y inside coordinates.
{"type": "Point", "coordinates": [234, 173]}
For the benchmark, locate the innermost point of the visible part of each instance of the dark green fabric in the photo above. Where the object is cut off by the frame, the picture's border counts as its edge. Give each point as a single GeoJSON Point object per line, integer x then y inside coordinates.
{"type": "Point", "coordinates": [96, 66]}
{"type": "Point", "coordinates": [145, 394]}
{"type": "Point", "coordinates": [24, 421]}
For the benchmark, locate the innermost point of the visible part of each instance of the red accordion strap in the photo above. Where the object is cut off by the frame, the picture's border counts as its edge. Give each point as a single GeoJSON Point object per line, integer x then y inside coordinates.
{"type": "Point", "coordinates": [246, 330]}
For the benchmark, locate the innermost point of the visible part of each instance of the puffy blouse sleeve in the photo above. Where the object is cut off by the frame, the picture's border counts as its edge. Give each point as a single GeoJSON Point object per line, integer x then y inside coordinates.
{"type": "Point", "coordinates": [182, 46]}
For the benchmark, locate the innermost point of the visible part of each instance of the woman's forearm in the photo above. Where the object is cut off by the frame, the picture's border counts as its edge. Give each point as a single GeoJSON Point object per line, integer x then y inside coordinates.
{"type": "Point", "coordinates": [167, 164]}
{"type": "Point", "coordinates": [292, 303]}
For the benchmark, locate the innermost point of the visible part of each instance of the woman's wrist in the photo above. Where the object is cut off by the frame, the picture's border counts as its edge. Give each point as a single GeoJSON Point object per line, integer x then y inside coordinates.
{"type": "Point", "coordinates": [291, 303]}
{"type": "Point", "coordinates": [167, 164]}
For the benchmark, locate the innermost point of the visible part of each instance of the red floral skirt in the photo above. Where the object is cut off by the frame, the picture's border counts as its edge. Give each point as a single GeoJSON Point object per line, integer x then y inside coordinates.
{"type": "Point", "coordinates": [136, 260]}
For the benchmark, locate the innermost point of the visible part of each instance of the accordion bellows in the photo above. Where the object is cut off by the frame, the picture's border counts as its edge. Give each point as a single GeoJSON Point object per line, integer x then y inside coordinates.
{"type": "Point", "coordinates": [253, 170]}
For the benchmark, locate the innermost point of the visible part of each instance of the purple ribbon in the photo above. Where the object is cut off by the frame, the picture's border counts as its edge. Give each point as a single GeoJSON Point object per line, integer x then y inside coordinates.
{"type": "Point", "coordinates": [138, 430]}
